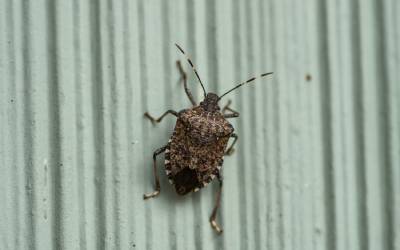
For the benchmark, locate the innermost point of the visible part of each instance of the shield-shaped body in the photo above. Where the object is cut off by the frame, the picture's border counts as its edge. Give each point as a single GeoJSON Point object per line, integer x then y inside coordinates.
{"type": "Point", "coordinates": [194, 154]}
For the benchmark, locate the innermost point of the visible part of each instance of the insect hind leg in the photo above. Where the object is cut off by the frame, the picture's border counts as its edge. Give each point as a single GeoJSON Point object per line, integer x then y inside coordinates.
{"type": "Point", "coordinates": [156, 177]}
{"type": "Point", "coordinates": [213, 216]}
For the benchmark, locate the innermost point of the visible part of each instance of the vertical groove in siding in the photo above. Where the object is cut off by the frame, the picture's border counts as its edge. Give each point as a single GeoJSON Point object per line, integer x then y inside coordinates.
{"type": "Point", "coordinates": [358, 126]}
{"type": "Point", "coordinates": [316, 164]}
{"type": "Point", "coordinates": [393, 37]}
{"type": "Point", "coordinates": [4, 243]}
{"type": "Point", "coordinates": [384, 110]}
{"type": "Point", "coordinates": [28, 125]}
{"type": "Point", "coordinates": [98, 123]}
{"type": "Point", "coordinates": [54, 136]}
{"type": "Point", "coordinates": [326, 117]}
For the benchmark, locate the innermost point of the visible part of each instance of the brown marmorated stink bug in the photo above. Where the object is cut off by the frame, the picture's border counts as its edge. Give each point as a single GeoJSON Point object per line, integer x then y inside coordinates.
{"type": "Point", "coordinates": [194, 153]}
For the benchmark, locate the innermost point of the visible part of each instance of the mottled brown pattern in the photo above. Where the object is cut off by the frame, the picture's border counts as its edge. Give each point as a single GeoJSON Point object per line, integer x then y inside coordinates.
{"type": "Point", "coordinates": [198, 143]}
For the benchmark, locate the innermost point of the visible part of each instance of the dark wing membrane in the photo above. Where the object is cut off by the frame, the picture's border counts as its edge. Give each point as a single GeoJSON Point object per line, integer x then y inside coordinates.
{"type": "Point", "coordinates": [186, 159]}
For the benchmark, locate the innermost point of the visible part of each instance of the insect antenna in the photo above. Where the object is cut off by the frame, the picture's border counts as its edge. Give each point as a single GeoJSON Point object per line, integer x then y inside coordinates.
{"type": "Point", "coordinates": [194, 69]}
{"type": "Point", "coordinates": [243, 83]}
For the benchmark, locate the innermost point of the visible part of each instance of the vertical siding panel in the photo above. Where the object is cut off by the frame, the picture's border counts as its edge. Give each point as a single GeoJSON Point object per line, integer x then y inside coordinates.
{"type": "Point", "coordinates": [143, 236]}
{"type": "Point", "coordinates": [79, 164]}
{"type": "Point", "coordinates": [225, 81]}
{"type": "Point", "coordinates": [174, 96]}
{"type": "Point", "coordinates": [385, 133]}
{"type": "Point", "coordinates": [27, 120]}
{"type": "Point", "coordinates": [256, 115]}
{"type": "Point", "coordinates": [325, 113]}
{"type": "Point", "coordinates": [6, 216]}
{"type": "Point", "coordinates": [120, 182]}
{"type": "Point", "coordinates": [132, 127]}
{"type": "Point", "coordinates": [321, 231]}
{"type": "Point", "coordinates": [97, 86]}
{"type": "Point", "coordinates": [265, 64]}
{"type": "Point", "coordinates": [23, 221]}
{"type": "Point", "coordinates": [65, 111]}
{"type": "Point", "coordinates": [373, 159]}
{"type": "Point", "coordinates": [41, 162]}
{"type": "Point", "coordinates": [272, 159]}
{"type": "Point", "coordinates": [156, 91]}
{"type": "Point", "coordinates": [359, 145]}
{"type": "Point", "coordinates": [107, 70]}
{"type": "Point", "coordinates": [249, 146]}
{"type": "Point", "coordinates": [302, 146]}
{"type": "Point", "coordinates": [139, 168]}
{"type": "Point", "coordinates": [293, 71]}
{"type": "Point", "coordinates": [392, 37]}
{"type": "Point", "coordinates": [243, 211]}
{"type": "Point", "coordinates": [85, 150]}
{"type": "Point", "coordinates": [337, 137]}
{"type": "Point", "coordinates": [284, 173]}
{"type": "Point", "coordinates": [348, 159]}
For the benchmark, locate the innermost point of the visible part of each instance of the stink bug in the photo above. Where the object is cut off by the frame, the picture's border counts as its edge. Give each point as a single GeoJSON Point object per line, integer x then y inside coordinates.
{"type": "Point", "coordinates": [194, 153]}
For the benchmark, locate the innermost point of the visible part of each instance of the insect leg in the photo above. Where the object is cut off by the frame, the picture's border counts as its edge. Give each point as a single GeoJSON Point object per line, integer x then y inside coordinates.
{"type": "Point", "coordinates": [156, 178]}
{"type": "Point", "coordinates": [213, 216]}
{"type": "Point", "coordinates": [154, 120]}
{"type": "Point", "coordinates": [227, 108]}
{"type": "Point", "coordinates": [230, 150]}
{"type": "Point", "coordinates": [184, 79]}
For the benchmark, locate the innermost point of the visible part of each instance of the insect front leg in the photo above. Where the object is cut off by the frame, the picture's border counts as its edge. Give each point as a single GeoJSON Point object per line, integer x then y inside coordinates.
{"type": "Point", "coordinates": [230, 149]}
{"type": "Point", "coordinates": [156, 178]}
{"type": "Point", "coordinates": [213, 216]}
{"type": "Point", "coordinates": [184, 79]}
{"type": "Point", "coordinates": [233, 113]}
{"type": "Point", "coordinates": [154, 120]}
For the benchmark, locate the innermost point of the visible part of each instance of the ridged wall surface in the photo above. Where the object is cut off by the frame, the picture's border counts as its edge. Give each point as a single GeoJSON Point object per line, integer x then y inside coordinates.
{"type": "Point", "coordinates": [317, 165]}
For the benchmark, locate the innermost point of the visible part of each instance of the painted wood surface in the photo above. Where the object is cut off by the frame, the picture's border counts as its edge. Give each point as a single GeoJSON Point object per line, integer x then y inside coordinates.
{"type": "Point", "coordinates": [317, 165]}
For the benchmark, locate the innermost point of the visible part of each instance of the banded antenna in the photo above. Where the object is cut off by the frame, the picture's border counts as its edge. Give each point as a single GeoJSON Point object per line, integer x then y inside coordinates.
{"type": "Point", "coordinates": [243, 83]}
{"type": "Point", "coordinates": [194, 69]}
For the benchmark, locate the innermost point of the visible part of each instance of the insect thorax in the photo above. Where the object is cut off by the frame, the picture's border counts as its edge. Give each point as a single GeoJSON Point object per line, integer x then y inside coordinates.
{"type": "Point", "coordinates": [204, 127]}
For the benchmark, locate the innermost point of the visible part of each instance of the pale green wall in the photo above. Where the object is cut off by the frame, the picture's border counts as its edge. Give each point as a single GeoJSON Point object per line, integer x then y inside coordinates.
{"type": "Point", "coordinates": [317, 164]}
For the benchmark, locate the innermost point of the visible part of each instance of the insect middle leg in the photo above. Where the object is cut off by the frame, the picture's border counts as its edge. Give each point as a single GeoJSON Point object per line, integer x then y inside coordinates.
{"type": "Point", "coordinates": [156, 177]}
{"type": "Point", "coordinates": [233, 113]}
{"type": "Point", "coordinates": [184, 79]}
{"type": "Point", "coordinates": [154, 120]}
{"type": "Point", "coordinates": [213, 216]}
{"type": "Point", "coordinates": [230, 149]}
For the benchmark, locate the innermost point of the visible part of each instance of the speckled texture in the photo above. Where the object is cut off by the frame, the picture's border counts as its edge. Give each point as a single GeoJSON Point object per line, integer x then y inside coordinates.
{"type": "Point", "coordinates": [198, 143]}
